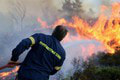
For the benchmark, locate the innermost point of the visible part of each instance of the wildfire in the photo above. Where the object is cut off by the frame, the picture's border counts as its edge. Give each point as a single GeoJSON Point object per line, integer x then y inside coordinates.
{"type": "Point", "coordinates": [3, 75]}
{"type": "Point", "coordinates": [106, 29]}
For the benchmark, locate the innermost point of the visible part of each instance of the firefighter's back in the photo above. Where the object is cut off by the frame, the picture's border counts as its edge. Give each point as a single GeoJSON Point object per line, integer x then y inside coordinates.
{"type": "Point", "coordinates": [42, 58]}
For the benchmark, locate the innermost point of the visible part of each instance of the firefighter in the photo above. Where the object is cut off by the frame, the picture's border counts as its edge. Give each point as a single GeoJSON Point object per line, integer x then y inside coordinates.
{"type": "Point", "coordinates": [45, 57]}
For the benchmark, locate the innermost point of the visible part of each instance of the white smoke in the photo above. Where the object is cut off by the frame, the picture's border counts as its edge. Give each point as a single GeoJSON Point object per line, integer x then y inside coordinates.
{"type": "Point", "coordinates": [11, 32]}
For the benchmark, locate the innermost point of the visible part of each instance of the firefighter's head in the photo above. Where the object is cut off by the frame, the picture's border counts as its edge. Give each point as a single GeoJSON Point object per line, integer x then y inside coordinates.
{"type": "Point", "coordinates": [59, 32]}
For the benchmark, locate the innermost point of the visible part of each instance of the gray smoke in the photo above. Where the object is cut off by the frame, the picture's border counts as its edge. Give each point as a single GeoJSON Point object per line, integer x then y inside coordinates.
{"type": "Point", "coordinates": [18, 19]}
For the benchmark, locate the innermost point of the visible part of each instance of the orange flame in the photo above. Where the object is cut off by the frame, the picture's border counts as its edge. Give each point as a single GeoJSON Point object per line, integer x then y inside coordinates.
{"type": "Point", "coordinates": [3, 75]}
{"type": "Point", "coordinates": [106, 29]}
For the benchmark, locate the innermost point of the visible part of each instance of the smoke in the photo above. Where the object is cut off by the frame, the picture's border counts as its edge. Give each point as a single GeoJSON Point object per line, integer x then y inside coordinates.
{"type": "Point", "coordinates": [16, 24]}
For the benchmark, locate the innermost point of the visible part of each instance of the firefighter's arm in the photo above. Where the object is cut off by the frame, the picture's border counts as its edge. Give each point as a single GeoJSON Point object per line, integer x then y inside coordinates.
{"type": "Point", "coordinates": [23, 45]}
{"type": "Point", "coordinates": [57, 67]}
{"type": "Point", "coordinates": [12, 64]}
{"type": "Point", "coordinates": [55, 70]}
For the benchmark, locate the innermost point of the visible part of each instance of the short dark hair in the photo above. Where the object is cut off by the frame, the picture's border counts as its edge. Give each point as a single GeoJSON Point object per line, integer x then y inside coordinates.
{"type": "Point", "coordinates": [60, 32]}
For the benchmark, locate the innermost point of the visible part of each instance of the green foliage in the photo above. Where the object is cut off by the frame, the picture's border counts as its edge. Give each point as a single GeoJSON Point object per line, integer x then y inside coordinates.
{"type": "Point", "coordinates": [107, 73]}
{"type": "Point", "coordinates": [110, 59]}
{"type": "Point", "coordinates": [101, 66]}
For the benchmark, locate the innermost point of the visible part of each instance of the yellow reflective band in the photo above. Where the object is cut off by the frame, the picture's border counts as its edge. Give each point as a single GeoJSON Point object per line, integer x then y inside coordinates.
{"type": "Point", "coordinates": [51, 50]}
{"type": "Point", "coordinates": [32, 40]}
{"type": "Point", "coordinates": [57, 67]}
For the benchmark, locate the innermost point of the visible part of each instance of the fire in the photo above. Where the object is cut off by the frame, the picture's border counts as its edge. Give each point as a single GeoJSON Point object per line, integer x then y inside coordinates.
{"type": "Point", "coordinates": [3, 75]}
{"type": "Point", "coordinates": [106, 29]}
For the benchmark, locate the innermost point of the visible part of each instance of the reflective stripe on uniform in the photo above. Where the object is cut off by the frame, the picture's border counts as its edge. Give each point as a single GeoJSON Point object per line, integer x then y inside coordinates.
{"type": "Point", "coordinates": [32, 40]}
{"type": "Point", "coordinates": [51, 50]}
{"type": "Point", "coordinates": [57, 67]}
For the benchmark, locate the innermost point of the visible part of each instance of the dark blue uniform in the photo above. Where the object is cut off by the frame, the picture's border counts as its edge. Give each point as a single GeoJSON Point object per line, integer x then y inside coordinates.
{"type": "Point", "coordinates": [45, 57]}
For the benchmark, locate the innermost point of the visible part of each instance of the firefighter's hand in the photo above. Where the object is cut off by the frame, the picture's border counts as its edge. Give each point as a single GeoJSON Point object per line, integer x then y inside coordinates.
{"type": "Point", "coordinates": [12, 64]}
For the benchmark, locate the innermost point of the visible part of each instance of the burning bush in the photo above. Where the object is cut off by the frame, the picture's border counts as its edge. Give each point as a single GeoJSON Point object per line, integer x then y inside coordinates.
{"type": "Point", "coordinates": [103, 66]}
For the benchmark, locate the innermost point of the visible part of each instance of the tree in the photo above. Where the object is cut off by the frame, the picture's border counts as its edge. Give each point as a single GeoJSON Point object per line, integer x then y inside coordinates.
{"type": "Point", "coordinates": [72, 8]}
{"type": "Point", "coordinates": [18, 13]}
{"type": "Point", "coordinates": [102, 66]}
